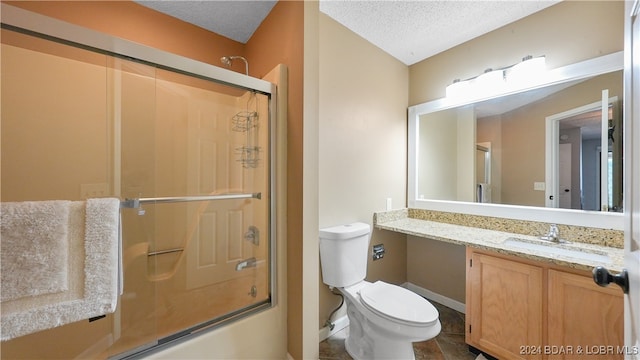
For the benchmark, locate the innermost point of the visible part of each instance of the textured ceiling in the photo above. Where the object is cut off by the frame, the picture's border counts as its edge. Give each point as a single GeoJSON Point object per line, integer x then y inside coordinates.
{"type": "Point", "coordinates": [236, 20]}
{"type": "Point", "coordinates": [410, 31]}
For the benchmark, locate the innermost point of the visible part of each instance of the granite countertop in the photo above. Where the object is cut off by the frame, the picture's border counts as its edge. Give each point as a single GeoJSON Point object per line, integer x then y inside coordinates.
{"type": "Point", "coordinates": [493, 240]}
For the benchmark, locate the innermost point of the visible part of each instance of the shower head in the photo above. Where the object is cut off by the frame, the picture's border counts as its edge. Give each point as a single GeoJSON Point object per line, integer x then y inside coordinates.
{"type": "Point", "coordinates": [228, 60]}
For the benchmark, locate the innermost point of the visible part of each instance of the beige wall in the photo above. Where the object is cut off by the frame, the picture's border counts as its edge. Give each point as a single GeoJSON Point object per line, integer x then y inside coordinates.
{"type": "Point", "coordinates": [566, 33]}
{"type": "Point", "coordinates": [362, 143]}
{"type": "Point", "coordinates": [438, 165]}
{"type": "Point", "coordinates": [489, 129]}
{"type": "Point", "coordinates": [436, 266]}
{"type": "Point", "coordinates": [466, 154]}
{"type": "Point", "coordinates": [310, 258]}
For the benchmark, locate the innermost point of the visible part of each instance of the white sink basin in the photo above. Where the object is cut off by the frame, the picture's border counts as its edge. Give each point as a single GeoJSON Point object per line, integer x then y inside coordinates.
{"type": "Point", "coordinates": [565, 250]}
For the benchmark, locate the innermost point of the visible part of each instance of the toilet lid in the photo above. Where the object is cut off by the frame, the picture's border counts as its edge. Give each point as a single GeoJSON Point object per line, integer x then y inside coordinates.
{"type": "Point", "coordinates": [398, 303]}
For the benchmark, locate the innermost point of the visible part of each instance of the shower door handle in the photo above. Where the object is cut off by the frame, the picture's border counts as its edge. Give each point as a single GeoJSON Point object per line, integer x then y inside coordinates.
{"type": "Point", "coordinates": [250, 262]}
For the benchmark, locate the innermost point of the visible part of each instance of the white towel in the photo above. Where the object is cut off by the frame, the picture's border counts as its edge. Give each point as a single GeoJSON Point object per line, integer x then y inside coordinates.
{"type": "Point", "coordinates": [86, 236]}
{"type": "Point", "coordinates": [483, 193]}
{"type": "Point", "coordinates": [34, 242]}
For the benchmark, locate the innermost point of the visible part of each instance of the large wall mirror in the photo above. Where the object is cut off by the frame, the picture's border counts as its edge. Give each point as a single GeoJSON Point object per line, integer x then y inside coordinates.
{"type": "Point", "coordinates": [550, 152]}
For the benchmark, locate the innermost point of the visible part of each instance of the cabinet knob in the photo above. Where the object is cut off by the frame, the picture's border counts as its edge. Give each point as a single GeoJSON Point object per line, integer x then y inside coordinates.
{"type": "Point", "coordinates": [603, 277]}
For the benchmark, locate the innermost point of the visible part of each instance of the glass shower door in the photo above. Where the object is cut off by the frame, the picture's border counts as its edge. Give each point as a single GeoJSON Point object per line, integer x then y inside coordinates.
{"type": "Point", "coordinates": [193, 156]}
{"type": "Point", "coordinates": [206, 260]}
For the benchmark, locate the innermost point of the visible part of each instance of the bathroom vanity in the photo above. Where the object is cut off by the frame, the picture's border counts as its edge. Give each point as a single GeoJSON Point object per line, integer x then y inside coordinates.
{"type": "Point", "coordinates": [528, 298]}
{"type": "Point", "coordinates": [523, 309]}
{"type": "Point", "coordinates": [491, 171]}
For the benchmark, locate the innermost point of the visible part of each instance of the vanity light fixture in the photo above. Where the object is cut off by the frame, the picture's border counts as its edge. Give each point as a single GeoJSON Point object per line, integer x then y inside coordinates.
{"type": "Point", "coordinates": [526, 73]}
{"type": "Point", "coordinates": [492, 82]}
{"type": "Point", "coordinates": [459, 88]}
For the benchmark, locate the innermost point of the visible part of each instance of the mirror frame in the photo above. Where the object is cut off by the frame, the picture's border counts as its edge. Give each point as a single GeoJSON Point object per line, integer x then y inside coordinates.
{"type": "Point", "coordinates": [578, 71]}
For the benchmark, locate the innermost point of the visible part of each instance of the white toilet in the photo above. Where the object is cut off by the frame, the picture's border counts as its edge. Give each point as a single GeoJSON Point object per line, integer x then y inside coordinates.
{"type": "Point", "coordinates": [384, 319]}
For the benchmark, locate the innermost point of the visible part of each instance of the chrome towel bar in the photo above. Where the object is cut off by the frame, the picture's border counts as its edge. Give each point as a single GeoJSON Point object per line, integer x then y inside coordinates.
{"type": "Point", "coordinates": [168, 251]}
{"type": "Point", "coordinates": [136, 203]}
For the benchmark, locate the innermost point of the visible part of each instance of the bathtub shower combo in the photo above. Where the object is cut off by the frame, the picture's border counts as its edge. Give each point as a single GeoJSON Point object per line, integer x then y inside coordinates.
{"type": "Point", "coordinates": [187, 147]}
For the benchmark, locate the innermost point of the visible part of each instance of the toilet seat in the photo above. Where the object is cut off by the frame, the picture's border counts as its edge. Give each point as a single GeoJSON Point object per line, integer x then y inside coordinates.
{"type": "Point", "coordinates": [398, 304]}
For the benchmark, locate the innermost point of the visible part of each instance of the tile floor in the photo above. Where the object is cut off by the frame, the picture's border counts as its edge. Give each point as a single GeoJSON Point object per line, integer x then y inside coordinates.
{"type": "Point", "coordinates": [448, 345]}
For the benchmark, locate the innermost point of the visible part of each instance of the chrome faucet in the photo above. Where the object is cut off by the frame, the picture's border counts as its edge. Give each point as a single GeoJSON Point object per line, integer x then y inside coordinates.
{"type": "Point", "coordinates": [553, 235]}
{"type": "Point", "coordinates": [250, 262]}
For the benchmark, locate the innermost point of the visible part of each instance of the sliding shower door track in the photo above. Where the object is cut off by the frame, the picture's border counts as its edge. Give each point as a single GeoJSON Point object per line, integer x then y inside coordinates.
{"type": "Point", "coordinates": [194, 331]}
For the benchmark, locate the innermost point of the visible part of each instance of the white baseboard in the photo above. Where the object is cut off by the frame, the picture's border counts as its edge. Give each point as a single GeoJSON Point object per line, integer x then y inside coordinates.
{"type": "Point", "coordinates": [448, 302]}
{"type": "Point", "coordinates": [339, 324]}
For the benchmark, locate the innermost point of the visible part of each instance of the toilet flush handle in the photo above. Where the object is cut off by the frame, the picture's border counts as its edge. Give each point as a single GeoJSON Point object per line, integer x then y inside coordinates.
{"type": "Point", "coordinates": [378, 251]}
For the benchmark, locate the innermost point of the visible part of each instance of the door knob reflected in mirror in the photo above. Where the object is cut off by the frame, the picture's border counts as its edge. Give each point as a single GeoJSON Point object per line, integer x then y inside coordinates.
{"type": "Point", "coordinates": [603, 277]}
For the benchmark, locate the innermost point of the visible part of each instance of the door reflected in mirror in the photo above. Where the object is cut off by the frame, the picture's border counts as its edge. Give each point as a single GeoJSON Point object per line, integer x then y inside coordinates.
{"type": "Point", "coordinates": [483, 172]}
{"type": "Point", "coordinates": [575, 160]}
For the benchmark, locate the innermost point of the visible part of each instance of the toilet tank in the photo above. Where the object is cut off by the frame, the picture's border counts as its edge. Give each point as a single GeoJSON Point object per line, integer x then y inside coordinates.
{"type": "Point", "coordinates": [343, 254]}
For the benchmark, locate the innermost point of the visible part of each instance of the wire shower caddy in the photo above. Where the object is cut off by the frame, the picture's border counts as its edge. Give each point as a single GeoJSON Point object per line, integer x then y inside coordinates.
{"type": "Point", "coordinates": [247, 121]}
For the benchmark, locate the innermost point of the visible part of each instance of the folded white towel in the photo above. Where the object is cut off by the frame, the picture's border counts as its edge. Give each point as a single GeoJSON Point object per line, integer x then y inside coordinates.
{"type": "Point", "coordinates": [34, 243]}
{"type": "Point", "coordinates": [86, 236]}
{"type": "Point", "coordinates": [102, 234]}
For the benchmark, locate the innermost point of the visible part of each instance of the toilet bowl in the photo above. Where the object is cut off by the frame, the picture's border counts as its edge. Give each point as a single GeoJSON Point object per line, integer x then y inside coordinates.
{"type": "Point", "coordinates": [384, 319]}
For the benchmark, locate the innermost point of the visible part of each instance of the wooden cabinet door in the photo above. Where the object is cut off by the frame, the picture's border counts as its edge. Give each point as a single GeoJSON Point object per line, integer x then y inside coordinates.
{"type": "Point", "coordinates": [584, 319]}
{"type": "Point", "coordinates": [504, 306]}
